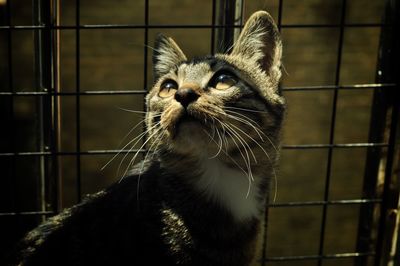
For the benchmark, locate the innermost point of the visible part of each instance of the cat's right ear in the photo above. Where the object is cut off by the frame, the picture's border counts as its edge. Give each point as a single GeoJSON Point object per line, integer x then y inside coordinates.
{"type": "Point", "coordinates": [166, 56]}
{"type": "Point", "coordinates": [260, 42]}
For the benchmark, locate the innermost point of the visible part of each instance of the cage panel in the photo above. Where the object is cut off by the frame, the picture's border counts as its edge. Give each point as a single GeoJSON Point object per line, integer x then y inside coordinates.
{"type": "Point", "coordinates": [372, 11]}
{"type": "Point", "coordinates": [341, 229]}
{"type": "Point", "coordinates": [360, 49]}
{"type": "Point", "coordinates": [186, 13]}
{"type": "Point", "coordinates": [21, 12]}
{"type": "Point", "coordinates": [23, 61]}
{"type": "Point", "coordinates": [348, 166]}
{"type": "Point", "coordinates": [353, 116]}
{"type": "Point", "coordinates": [307, 124]}
{"type": "Point", "coordinates": [324, 12]}
{"type": "Point", "coordinates": [315, 50]}
{"type": "Point", "coordinates": [111, 59]}
{"type": "Point", "coordinates": [299, 169]}
{"type": "Point", "coordinates": [107, 12]}
{"type": "Point", "coordinates": [293, 231]}
{"type": "Point", "coordinates": [68, 62]}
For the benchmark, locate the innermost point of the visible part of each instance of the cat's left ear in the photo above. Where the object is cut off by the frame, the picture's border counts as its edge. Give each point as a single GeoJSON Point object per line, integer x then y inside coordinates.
{"type": "Point", "coordinates": [260, 42]}
{"type": "Point", "coordinates": [166, 56]}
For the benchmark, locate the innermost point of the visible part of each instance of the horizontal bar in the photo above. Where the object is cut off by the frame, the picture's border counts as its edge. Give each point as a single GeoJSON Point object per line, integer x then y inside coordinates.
{"type": "Point", "coordinates": [341, 87]}
{"type": "Point", "coordinates": [99, 152]}
{"type": "Point", "coordinates": [90, 152]}
{"type": "Point", "coordinates": [98, 92]}
{"type": "Point", "coordinates": [321, 257]}
{"type": "Point", "coordinates": [321, 203]}
{"type": "Point", "coordinates": [26, 213]}
{"type": "Point", "coordinates": [178, 26]}
{"type": "Point", "coordinates": [125, 92]}
{"type": "Point", "coordinates": [348, 25]}
{"type": "Point", "coordinates": [273, 205]}
{"type": "Point", "coordinates": [327, 146]}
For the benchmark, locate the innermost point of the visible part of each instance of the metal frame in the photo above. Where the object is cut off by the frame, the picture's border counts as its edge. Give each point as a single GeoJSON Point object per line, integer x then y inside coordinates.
{"type": "Point", "coordinates": [226, 20]}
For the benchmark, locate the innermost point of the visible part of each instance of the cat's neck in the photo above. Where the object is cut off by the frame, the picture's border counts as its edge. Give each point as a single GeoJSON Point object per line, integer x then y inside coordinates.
{"type": "Point", "coordinates": [226, 186]}
{"type": "Point", "coordinates": [232, 188]}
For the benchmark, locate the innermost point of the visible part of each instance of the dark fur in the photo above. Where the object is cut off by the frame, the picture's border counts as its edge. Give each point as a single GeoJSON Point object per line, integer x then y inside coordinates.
{"type": "Point", "coordinates": [165, 215]}
{"type": "Point", "coordinates": [113, 228]}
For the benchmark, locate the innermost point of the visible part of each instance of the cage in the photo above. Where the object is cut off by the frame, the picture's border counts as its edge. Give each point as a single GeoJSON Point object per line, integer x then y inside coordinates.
{"type": "Point", "coordinates": [70, 68]}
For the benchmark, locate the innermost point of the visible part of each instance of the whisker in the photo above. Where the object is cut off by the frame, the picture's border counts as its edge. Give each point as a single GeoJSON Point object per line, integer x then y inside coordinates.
{"type": "Point", "coordinates": [246, 159]}
{"type": "Point", "coordinates": [245, 143]}
{"type": "Point", "coordinates": [141, 147]}
{"type": "Point", "coordinates": [233, 137]}
{"type": "Point", "coordinates": [244, 117]}
{"type": "Point", "coordinates": [136, 139]}
{"type": "Point", "coordinates": [102, 168]}
{"type": "Point", "coordinates": [218, 144]}
{"type": "Point", "coordinates": [130, 111]}
{"type": "Point", "coordinates": [245, 109]}
{"type": "Point", "coordinates": [257, 129]}
{"type": "Point", "coordinates": [230, 157]}
{"type": "Point", "coordinates": [131, 130]}
{"type": "Point", "coordinates": [276, 184]}
{"type": "Point", "coordinates": [244, 121]}
{"type": "Point", "coordinates": [256, 142]}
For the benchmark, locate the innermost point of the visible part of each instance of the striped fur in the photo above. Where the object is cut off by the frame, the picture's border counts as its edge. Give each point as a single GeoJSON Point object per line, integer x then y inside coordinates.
{"type": "Point", "coordinates": [213, 127]}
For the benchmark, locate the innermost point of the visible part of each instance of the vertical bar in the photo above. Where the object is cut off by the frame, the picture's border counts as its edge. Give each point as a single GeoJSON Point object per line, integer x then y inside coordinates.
{"type": "Point", "coordinates": [43, 55]}
{"type": "Point", "coordinates": [213, 18]}
{"type": "Point", "coordinates": [56, 111]}
{"type": "Point", "coordinates": [10, 236]}
{"type": "Point", "coordinates": [379, 113]}
{"type": "Point", "coordinates": [238, 19]}
{"type": "Point", "coordinates": [227, 19]}
{"type": "Point", "coordinates": [280, 10]}
{"type": "Point", "coordinates": [145, 57]}
{"type": "Point", "coordinates": [230, 13]}
{"type": "Point", "coordinates": [78, 103]}
{"type": "Point", "coordinates": [13, 126]}
{"type": "Point", "coordinates": [8, 187]}
{"type": "Point", "coordinates": [390, 195]}
{"type": "Point", "coordinates": [332, 133]}
{"type": "Point", "coordinates": [146, 42]}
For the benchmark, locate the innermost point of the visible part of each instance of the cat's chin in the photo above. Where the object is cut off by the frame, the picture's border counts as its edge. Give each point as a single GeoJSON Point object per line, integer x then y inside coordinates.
{"type": "Point", "coordinates": [190, 136]}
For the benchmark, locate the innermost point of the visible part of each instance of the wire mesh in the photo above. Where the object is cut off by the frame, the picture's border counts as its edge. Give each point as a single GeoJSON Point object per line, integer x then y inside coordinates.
{"type": "Point", "coordinates": [53, 93]}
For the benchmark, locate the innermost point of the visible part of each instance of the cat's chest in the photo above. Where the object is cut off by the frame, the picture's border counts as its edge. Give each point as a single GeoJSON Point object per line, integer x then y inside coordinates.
{"type": "Point", "coordinates": [230, 188]}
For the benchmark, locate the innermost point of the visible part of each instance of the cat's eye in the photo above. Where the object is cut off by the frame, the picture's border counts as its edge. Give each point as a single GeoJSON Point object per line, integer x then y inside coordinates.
{"type": "Point", "coordinates": [168, 88]}
{"type": "Point", "coordinates": [223, 81]}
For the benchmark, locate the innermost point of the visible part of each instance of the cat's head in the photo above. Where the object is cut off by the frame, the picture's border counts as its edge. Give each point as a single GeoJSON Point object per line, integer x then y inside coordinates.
{"type": "Point", "coordinates": [223, 105]}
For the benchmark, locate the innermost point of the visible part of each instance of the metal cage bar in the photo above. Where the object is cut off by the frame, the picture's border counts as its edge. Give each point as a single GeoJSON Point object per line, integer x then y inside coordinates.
{"type": "Point", "coordinates": [332, 132]}
{"type": "Point", "coordinates": [78, 102]}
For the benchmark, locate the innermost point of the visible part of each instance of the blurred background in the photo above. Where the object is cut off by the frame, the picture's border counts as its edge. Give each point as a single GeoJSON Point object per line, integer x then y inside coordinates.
{"type": "Point", "coordinates": [64, 88]}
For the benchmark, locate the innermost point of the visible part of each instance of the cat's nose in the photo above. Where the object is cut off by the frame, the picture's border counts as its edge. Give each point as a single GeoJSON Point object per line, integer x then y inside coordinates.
{"type": "Point", "coordinates": [186, 95]}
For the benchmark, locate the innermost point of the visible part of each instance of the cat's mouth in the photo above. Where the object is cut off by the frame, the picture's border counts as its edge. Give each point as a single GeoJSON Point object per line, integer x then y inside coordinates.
{"type": "Point", "coordinates": [187, 124]}
{"type": "Point", "coordinates": [186, 118]}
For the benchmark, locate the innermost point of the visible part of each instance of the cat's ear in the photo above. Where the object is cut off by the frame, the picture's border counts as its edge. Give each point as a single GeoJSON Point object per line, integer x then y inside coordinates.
{"type": "Point", "coordinates": [167, 55]}
{"type": "Point", "coordinates": [260, 42]}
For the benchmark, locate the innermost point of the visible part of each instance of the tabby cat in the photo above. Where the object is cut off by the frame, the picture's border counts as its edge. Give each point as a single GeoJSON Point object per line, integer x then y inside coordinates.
{"type": "Point", "coordinates": [213, 126]}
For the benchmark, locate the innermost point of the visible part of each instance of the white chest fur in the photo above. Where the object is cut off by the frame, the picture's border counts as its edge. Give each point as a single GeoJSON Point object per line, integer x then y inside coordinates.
{"type": "Point", "coordinates": [230, 187]}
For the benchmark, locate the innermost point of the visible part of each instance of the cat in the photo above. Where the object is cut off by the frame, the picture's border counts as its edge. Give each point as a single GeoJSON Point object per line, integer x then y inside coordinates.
{"type": "Point", "coordinates": [213, 126]}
